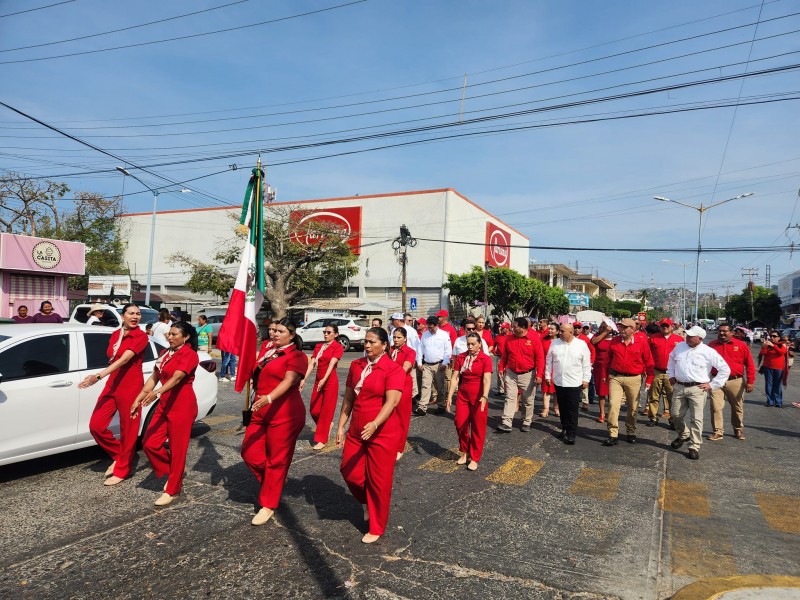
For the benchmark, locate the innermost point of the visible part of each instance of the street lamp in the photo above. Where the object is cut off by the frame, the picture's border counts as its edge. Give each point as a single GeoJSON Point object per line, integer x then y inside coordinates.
{"type": "Point", "coordinates": [152, 228]}
{"type": "Point", "coordinates": [683, 290]}
{"type": "Point", "coordinates": [700, 209]}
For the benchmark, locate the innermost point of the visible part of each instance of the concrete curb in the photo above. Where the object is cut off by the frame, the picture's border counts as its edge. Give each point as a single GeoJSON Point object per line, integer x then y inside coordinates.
{"type": "Point", "coordinates": [715, 588]}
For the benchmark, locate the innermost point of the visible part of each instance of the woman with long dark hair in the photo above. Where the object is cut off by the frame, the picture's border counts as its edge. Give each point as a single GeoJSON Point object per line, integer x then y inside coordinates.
{"type": "Point", "coordinates": [325, 395]}
{"type": "Point", "coordinates": [124, 371]}
{"type": "Point", "coordinates": [176, 411]}
{"type": "Point", "coordinates": [406, 358]}
{"type": "Point", "coordinates": [374, 387]}
{"type": "Point", "coordinates": [278, 415]}
{"type": "Point", "coordinates": [472, 375]}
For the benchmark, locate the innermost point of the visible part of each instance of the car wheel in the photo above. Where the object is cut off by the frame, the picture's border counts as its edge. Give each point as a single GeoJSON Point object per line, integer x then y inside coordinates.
{"type": "Point", "coordinates": [147, 420]}
{"type": "Point", "coordinates": [344, 341]}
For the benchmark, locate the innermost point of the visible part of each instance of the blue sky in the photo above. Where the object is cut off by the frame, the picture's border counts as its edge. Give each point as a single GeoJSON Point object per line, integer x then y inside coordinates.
{"type": "Point", "coordinates": [586, 185]}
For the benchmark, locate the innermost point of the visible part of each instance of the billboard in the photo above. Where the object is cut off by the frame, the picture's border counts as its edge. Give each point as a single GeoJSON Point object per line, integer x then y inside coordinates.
{"type": "Point", "coordinates": [498, 252]}
{"type": "Point", "coordinates": [347, 221]}
{"type": "Point", "coordinates": [577, 298]}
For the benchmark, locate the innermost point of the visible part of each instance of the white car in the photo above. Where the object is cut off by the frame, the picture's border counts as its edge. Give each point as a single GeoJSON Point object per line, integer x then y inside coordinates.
{"type": "Point", "coordinates": [42, 411]}
{"type": "Point", "coordinates": [351, 331]}
{"type": "Point", "coordinates": [112, 315]}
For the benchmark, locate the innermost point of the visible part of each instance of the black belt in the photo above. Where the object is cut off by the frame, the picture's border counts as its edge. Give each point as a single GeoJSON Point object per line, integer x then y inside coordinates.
{"type": "Point", "coordinates": [734, 377]}
{"type": "Point", "coordinates": [522, 372]}
{"type": "Point", "coordinates": [438, 362]}
{"type": "Point", "coordinates": [618, 374]}
{"type": "Point", "coordinates": [689, 383]}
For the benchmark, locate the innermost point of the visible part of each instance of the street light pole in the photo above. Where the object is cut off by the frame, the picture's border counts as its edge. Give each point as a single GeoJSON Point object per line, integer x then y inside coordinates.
{"type": "Point", "coordinates": [152, 230]}
{"type": "Point", "coordinates": [683, 290]}
{"type": "Point", "coordinates": [700, 209]}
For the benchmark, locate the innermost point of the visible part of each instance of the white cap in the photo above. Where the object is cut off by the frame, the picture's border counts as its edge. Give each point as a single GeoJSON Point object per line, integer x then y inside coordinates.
{"type": "Point", "coordinates": [398, 315]}
{"type": "Point", "coordinates": [696, 331]}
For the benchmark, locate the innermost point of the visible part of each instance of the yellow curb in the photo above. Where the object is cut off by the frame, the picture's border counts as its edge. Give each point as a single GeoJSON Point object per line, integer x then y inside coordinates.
{"type": "Point", "coordinates": [709, 589]}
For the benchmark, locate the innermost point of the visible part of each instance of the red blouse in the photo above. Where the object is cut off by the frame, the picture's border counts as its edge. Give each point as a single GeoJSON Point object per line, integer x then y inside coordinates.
{"type": "Point", "coordinates": [186, 360]}
{"type": "Point", "coordinates": [275, 369]}
{"type": "Point", "coordinates": [131, 372]}
{"type": "Point", "coordinates": [385, 375]}
{"type": "Point", "coordinates": [404, 354]}
{"type": "Point", "coordinates": [335, 350]}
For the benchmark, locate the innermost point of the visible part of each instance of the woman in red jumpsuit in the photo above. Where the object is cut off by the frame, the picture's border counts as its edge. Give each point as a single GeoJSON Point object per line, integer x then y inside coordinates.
{"type": "Point", "coordinates": [374, 386]}
{"type": "Point", "coordinates": [125, 353]}
{"type": "Point", "coordinates": [325, 395]}
{"type": "Point", "coordinates": [601, 342]}
{"type": "Point", "coordinates": [176, 411]}
{"type": "Point", "coordinates": [472, 375]}
{"type": "Point", "coordinates": [406, 358]}
{"type": "Point", "coordinates": [278, 415]}
{"type": "Point", "coordinates": [549, 390]}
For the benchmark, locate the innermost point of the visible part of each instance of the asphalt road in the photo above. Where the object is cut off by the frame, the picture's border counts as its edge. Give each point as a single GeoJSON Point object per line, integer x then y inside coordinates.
{"type": "Point", "coordinates": [537, 520]}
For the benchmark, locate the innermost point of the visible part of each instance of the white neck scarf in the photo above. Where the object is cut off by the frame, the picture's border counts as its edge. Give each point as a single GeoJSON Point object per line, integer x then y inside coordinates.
{"type": "Point", "coordinates": [166, 357]}
{"type": "Point", "coordinates": [118, 343]}
{"type": "Point", "coordinates": [322, 349]}
{"type": "Point", "coordinates": [366, 372]}
{"type": "Point", "coordinates": [468, 360]}
{"type": "Point", "coordinates": [395, 351]}
{"type": "Point", "coordinates": [270, 352]}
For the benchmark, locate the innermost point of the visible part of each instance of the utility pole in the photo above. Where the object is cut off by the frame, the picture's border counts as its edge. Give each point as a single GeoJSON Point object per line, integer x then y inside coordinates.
{"type": "Point", "coordinates": [750, 273]}
{"type": "Point", "coordinates": [486, 290]}
{"type": "Point", "coordinates": [400, 245]}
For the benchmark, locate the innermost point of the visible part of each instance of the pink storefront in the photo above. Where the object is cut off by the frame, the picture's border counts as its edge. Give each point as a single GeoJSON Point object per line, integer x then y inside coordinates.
{"type": "Point", "coordinates": [36, 269]}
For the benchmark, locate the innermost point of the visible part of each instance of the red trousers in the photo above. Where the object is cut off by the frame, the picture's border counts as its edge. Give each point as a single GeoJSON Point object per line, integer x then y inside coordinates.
{"type": "Point", "coordinates": [171, 420]}
{"type": "Point", "coordinates": [124, 449]}
{"type": "Point", "coordinates": [470, 422]}
{"type": "Point", "coordinates": [323, 406]}
{"type": "Point", "coordinates": [368, 466]}
{"type": "Point", "coordinates": [403, 411]}
{"type": "Point", "coordinates": [269, 442]}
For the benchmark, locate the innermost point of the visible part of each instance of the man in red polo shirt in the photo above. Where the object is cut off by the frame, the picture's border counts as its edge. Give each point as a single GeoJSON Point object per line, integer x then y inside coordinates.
{"type": "Point", "coordinates": [544, 327]}
{"type": "Point", "coordinates": [661, 345]}
{"type": "Point", "coordinates": [630, 360]}
{"type": "Point", "coordinates": [444, 325]}
{"type": "Point", "coordinates": [737, 354]}
{"type": "Point", "coordinates": [523, 363]}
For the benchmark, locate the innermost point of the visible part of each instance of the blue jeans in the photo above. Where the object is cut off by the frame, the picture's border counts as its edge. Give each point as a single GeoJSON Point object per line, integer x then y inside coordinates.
{"type": "Point", "coordinates": [228, 365]}
{"type": "Point", "coordinates": [772, 382]}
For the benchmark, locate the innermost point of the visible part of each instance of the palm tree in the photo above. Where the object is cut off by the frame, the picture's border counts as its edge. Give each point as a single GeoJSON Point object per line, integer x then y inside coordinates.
{"type": "Point", "coordinates": [643, 295]}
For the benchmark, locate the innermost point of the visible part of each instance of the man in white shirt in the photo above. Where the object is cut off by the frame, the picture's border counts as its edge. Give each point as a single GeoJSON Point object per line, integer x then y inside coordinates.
{"type": "Point", "coordinates": [432, 361]}
{"type": "Point", "coordinates": [460, 345]}
{"type": "Point", "coordinates": [689, 372]}
{"type": "Point", "coordinates": [568, 366]}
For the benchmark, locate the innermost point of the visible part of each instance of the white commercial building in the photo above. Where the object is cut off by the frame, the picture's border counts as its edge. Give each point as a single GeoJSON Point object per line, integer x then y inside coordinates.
{"type": "Point", "coordinates": [453, 234]}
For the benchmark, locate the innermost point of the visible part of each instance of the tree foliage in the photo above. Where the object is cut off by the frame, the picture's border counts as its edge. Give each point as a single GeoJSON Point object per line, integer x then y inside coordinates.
{"type": "Point", "coordinates": [26, 203]}
{"type": "Point", "coordinates": [293, 271]}
{"type": "Point", "coordinates": [604, 304]}
{"type": "Point", "coordinates": [766, 306]}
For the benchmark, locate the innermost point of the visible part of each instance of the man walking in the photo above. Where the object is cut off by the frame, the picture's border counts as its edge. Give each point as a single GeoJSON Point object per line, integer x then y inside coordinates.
{"type": "Point", "coordinates": [661, 345]}
{"type": "Point", "coordinates": [630, 364]}
{"type": "Point", "coordinates": [432, 361]}
{"type": "Point", "coordinates": [523, 363]}
{"type": "Point", "coordinates": [569, 368]}
{"type": "Point", "coordinates": [737, 356]}
{"type": "Point", "coordinates": [689, 371]}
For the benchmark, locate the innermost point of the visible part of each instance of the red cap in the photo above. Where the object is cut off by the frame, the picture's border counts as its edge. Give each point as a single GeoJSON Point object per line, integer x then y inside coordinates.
{"type": "Point", "coordinates": [666, 322]}
{"type": "Point", "coordinates": [422, 321]}
{"type": "Point", "coordinates": [443, 313]}
{"type": "Point", "coordinates": [505, 325]}
{"type": "Point", "coordinates": [577, 324]}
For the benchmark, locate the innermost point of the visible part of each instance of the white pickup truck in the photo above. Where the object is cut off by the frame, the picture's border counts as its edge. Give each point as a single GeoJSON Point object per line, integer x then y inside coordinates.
{"type": "Point", "coordinates": [112, 315]}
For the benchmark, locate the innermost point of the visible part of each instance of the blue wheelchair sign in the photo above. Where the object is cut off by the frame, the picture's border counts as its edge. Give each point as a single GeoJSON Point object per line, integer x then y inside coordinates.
{"type": "Point", "coordinates": [412, 303]}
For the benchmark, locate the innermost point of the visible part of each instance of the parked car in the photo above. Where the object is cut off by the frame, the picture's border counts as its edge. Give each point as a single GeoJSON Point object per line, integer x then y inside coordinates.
{"type": "Point", "coordinates": [216, 324]}
{"type": "Point", "coordinates": [758, 334]}
{"type": "Point", "coordinates": [42, 411]}
{"type": "Point", "coordinates": [112, 315]}
{"type": "Point", "coordinates": [351, 331]}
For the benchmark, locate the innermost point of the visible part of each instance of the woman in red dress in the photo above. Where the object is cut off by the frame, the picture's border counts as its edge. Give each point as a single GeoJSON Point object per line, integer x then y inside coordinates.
{"type": "Point", "coordinates": [374, 386]}
{"type": "Point", "coordinates": [278, 415]}
{"type": "Point", "coordinates": [176, 411]}
{"type": "Point", "coordinates": [405, 357]}
{"type": "Point", "coordinates": [601, 341]}
{"type": "Point", "coordinates": [325, 395]}
{"type": "Point", "coordinates": [125, 354]}
{"type": "Point", "coordinates": [549, 390]}
{"type": "Point", "coordinates": [472, 375]}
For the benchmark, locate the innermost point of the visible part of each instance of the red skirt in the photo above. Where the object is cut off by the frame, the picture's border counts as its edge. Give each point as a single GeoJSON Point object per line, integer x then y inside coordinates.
{"type": "Point", "coordinates": [600, 374]}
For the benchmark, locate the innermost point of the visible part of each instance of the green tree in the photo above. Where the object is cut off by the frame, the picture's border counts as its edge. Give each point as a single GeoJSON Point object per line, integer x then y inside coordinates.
{"type": "Point", "coordinates": [628, 305]}
{"type": "Point", "coordinates": [604, 304]}
{"type": "Point", "coordinates": [507, 290]}
{"type": "Point", "coordinates": [546, 301]}
{"type": "Point", "coordinates": [765, 306]}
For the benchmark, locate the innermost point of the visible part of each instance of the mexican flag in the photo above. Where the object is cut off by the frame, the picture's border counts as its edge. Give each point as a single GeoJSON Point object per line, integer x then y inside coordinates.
{"type": "Point", "coordinates": [239, 329]}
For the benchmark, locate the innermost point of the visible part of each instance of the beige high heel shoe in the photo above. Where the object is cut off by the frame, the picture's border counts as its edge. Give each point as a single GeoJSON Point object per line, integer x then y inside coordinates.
{"type": "Point", "coordinates": [462, 460]}
{"type": "Point", "coordinates": [262, 516]}
{"type": "Point", "coordinates": [164, 499]}
{"type": "Point", "coordinates": [370, 538]}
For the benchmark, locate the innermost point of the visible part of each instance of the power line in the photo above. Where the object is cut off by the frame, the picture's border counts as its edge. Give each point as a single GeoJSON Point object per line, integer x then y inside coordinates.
{"type": "Point", "coordinates": [21, 12]}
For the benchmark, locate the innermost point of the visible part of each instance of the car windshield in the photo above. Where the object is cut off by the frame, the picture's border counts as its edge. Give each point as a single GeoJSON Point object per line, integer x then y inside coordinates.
{"type": "Point", "coordinates": [148, 315]}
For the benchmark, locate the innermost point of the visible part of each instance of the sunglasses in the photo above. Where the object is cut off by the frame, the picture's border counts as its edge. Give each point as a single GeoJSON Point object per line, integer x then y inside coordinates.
{"type": "Point", "coordinates": [328, 332]}
{"type": "Point", "coordinates": [469, 328]}
{"type": "Point", "coordinates": [775, 336]}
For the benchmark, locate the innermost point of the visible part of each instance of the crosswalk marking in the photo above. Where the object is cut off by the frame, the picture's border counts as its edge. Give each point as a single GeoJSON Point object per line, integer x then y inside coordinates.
{"type": "Point", "coordinates": [516, 471]}
{"type": "Point", "coordinates": [782, 513]}
{"type": "Point", "coordinates": [684, 497]}
{"type": "Point", "coordinates": [694, 552]}
{"type": "Point", "coordinates": [444, 463]}
{"type": "Point", "coordinates": [596, 483]}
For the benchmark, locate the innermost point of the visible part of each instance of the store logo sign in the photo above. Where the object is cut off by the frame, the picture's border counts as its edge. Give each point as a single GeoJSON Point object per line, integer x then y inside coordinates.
{"type": "Point", "coordinates": [46, 255]}
{"type": "Point", "coordinates": [341, 222]}
{"type": "Point", "coordinates": [498, 252]}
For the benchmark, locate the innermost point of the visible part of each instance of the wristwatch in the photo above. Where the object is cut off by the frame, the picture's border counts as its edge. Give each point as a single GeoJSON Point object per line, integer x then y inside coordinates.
{"type": "Point", "coordinates": [98, 376]}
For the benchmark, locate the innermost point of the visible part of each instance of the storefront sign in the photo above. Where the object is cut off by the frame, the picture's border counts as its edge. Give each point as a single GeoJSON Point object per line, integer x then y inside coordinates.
{"type": "Point", "coordinates": [498, 252]}
{"type": "Point", "coordinates": [102, 285]}
{"type": "Point", "coordinates": [46, 255]}
{"type": "Point", "coordinates": [26, 253]}
{"type": "Point", "coordinates": [309, 227]}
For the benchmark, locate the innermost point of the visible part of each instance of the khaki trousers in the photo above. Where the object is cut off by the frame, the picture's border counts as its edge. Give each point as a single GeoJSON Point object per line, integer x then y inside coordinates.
{"type": "Point", "coordinates": [432, 378]}
{"type": "Point", "coordinates": [525, 383]}
{"type": "Point", "coordinates": [619, 387]}
{"type": "Point", "coordinates": [660, 384]}
{"type": "Point", "coordinates": [733, 392]}
{"type": "Point", "coordinates": [690, 402]}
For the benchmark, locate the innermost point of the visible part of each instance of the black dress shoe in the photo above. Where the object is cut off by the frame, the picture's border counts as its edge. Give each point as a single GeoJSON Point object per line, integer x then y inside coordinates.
{"type": "Point", "coordinates": [420, 411]}
{"type": "Point", "coordinates": [631, 439]}
{"type": "Point", "coordinates": [677, 443]}
{"type": "Point", "coordinates": [652, 423]}
{"type": "Point", "coordinates": [693, 454]}
{"type": "Point", "coordinates": [562, 434]}
{"type": "Point", "coordinates": [570, 440]}
{"type": "Point", "coordinates": [612, 441]}
{"type": "Point", "coordinates": [504, 429]}
{"type": "Point", "coordinates": [441, 411]}
{"type": "Point", "coordinates": [524, 428]}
